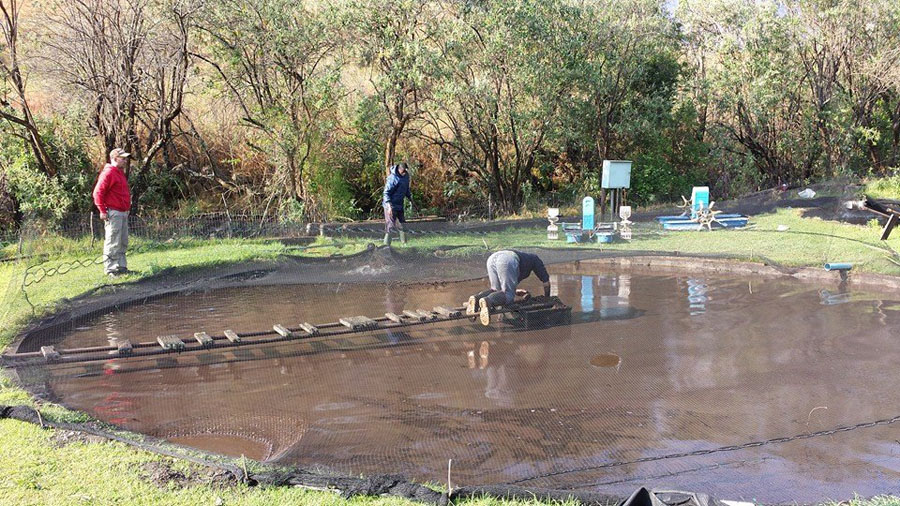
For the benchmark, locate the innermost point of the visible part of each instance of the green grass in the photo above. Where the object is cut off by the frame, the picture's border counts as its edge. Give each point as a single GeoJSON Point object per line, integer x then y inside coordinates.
{"type": "Point", "coordinates": [807, 242]}
{"type": "Point", "coordinates": [884, 500]}
{"type": "Point", "coordinates": [36, 470]}
{"type": "Point", "coordinates": [152, 259]}
{"type": "Point", "coordinates": [884, 188]}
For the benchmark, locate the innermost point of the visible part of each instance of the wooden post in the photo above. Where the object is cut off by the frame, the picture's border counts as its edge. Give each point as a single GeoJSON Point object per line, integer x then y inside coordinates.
{"type": "Point", "coordinates": [91, 221]}
{"type": "Point", "coordinates": [889, 227]}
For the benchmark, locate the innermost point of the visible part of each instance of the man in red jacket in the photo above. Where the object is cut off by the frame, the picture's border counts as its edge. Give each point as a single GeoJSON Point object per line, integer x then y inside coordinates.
{"type": "Point", "coordinates": [113, 198]}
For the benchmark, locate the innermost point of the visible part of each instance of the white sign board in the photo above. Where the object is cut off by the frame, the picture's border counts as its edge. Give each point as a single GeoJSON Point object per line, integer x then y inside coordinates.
{"type": "Point", "coordinates": [616, 174]}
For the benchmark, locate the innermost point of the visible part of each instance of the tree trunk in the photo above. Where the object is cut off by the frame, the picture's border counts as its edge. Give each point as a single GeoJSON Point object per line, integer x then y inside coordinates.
{"type": "Point", "coordinates": [14, 74]}
{"type": "Point", "coordinates": [292, 176]}
{"type": "Point", "coordinates": [37, 143]}
{"type": "Point", "coordinates": [391, 147]}
{"type": "Point", "coordinates": [603, 152]}
{"type": "Point", "coordinates": [895, 127]}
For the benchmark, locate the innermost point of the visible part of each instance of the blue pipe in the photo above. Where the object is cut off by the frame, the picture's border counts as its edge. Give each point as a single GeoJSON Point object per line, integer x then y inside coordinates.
{"type": "Point", "coordinates": [838, 267]}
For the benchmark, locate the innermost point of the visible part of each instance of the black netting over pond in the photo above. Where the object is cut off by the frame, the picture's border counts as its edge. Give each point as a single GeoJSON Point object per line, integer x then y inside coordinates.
{"type": "Point", "coordinates": [750, 388]}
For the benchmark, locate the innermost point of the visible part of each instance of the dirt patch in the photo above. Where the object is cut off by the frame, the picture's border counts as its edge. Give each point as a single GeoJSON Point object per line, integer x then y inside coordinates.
{"type": "Point", "coordinates": [163, 475]}
{"type": "Point", "coordinates": [63, 438]}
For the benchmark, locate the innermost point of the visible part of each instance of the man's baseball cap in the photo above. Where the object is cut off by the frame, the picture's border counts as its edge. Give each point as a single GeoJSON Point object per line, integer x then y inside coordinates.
{"type": "Point", "coordinates": [118, 153]}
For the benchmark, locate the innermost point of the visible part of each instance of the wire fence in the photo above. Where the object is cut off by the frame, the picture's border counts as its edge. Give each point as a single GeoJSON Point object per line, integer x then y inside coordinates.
{"type": "Point", "coordinates": [83, 236]}
{"type": "Point", "coordinates": [37, 247]}
{"type": "Point", "coordinates": [79, 238]}
{"type": "Point", "coordinates": [204, 225]}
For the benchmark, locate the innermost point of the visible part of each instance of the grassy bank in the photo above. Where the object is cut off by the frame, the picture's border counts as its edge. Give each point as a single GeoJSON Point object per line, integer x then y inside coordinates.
{"type": "Point", "coordinates": [783, 238]}
{"type": "Point", "coordinates": [84, 273]}
{"type": "Point", "coordinates": [884, 188]}
{"type": "Point", "coordinates": [51, 467]}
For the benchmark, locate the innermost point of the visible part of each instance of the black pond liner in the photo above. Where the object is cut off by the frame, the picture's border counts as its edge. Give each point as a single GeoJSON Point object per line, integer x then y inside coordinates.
{"type": "Point", "coordinates": [437, 267]}
{"type": "Point", "coordinates": [374, 485]}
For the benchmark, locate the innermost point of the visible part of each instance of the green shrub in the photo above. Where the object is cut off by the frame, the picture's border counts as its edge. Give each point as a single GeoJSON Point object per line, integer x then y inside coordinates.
{"type": "Point", "coordinates": [39, 197]}
{"type": "Point", "coordinates": [33, 193]}
{"type": "Point", "coordinates": [884, 188]}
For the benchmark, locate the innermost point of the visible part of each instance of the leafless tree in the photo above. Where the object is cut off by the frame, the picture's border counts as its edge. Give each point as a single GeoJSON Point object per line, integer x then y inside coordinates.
{"type": "Point", "coordinates": [277, 58]}
{"type": "Point", "coordinates": [14, 106]}
{"type": "Point", "coordinates": [870, 81]}
{"type": "Point", "coordinates": [822, 46]}
{"type": "Point", "coordinates": [395, 42]}
{"type": "Point", "coordinates": [498, 101]}
{"type": "Point", "coordinates": [129, 60]}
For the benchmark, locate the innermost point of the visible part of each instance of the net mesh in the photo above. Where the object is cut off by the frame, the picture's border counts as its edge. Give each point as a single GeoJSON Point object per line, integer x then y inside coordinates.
{"type": "Point", "coordinates": [513, 409]}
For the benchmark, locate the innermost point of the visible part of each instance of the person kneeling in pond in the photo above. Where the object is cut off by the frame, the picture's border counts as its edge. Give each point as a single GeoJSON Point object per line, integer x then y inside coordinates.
{"type": "Point", "coordinates": [506, 269]}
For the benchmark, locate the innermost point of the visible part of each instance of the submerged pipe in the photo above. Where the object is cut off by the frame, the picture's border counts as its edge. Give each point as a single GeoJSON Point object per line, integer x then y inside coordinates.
{"type": "Point", "coordinates": [838, 266]}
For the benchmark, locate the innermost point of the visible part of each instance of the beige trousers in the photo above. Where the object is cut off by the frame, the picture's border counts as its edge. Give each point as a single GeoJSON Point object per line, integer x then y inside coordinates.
{"type": "Point", "coordinates": [116, 241]}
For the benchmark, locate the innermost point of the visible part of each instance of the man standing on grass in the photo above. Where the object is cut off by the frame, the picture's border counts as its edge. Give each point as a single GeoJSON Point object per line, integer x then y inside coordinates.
{"type": "Point", "coordinates": [396, 188]}
{"type": "Point", "coordinates": [113, 198]}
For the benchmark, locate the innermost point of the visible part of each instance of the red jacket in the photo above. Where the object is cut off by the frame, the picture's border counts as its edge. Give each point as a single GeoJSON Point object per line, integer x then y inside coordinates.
{"type": "Point", "coordinates": [111, 190]}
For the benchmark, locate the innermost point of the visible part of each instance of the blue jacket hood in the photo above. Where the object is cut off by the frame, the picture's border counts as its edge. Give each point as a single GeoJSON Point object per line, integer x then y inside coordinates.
{"type": "Point", "coordinates": [396, 188]}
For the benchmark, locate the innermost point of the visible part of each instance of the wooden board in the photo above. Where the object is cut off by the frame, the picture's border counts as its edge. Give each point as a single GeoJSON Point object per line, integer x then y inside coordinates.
{"type": "Point", "coordinates": [170, 342]}
{"type": "Point", "coordinates": [204, 339]}
{"type": "Point", "coordinates": [282, 330]}
{"type": "Point", "coordinates": [426, 315]}
{"type": "Point", "coordinates": [309, 329]}
{"type": "Point", "coordinates": [49, 353]}
{"type": "Point", "coordinates": [394, 317]}
{"type": "Point", "coordinates": [414, 315]}
{"type": "Point", "coordinates": [124, 347]}
{"type": "Point", "coordinates": [232, 336]}
{"type": "Point", "coordinates": [358, 322]}
{"type": "Point", "coordinates": [446, 311]}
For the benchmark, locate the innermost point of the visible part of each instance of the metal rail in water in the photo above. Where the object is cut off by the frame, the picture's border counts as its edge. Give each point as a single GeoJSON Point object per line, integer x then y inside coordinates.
{"type": "Point", "coordinates": [533, 311]}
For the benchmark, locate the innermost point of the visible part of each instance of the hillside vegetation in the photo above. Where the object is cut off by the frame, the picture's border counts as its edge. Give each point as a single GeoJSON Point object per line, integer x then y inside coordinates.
{"type": "Point", "coordinates": [295, 108]}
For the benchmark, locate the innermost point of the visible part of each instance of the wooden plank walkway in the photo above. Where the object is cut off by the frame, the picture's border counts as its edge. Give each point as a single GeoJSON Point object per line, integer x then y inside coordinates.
{"type": "Point", "coordinates": [542, 306]}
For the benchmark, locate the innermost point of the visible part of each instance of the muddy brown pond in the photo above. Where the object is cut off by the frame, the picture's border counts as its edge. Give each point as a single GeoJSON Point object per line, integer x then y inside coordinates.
{"type": "Point", "coordinates": [651, 368]}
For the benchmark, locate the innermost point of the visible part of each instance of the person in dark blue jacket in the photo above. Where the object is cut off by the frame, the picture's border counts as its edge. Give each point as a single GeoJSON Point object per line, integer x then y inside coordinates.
{"type": "Point", "coordinates": [395, 190]}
